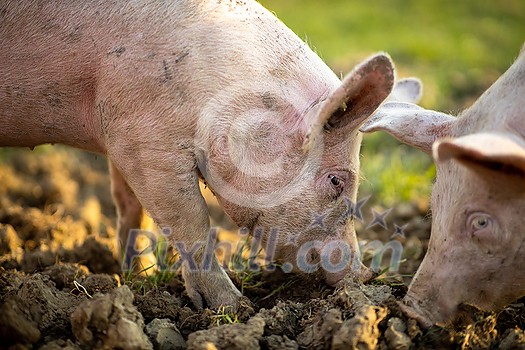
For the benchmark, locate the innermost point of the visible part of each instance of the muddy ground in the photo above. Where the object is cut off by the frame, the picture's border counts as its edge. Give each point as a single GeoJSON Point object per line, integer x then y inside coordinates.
{"type": "Point", "coordinates": [61, 286]}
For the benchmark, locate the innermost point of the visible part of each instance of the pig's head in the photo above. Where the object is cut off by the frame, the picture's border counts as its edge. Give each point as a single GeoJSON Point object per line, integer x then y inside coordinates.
{"type": "Point", "coordinates": [285, 164]}
{"type": "Point", "coordinates": [477, 245]}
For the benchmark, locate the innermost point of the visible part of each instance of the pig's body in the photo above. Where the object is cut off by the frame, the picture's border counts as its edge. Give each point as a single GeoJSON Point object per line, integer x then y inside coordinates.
{"type": "Point", "coordinates": [477, 246]}
{"type": "Point", "coordinates": [176, 90]}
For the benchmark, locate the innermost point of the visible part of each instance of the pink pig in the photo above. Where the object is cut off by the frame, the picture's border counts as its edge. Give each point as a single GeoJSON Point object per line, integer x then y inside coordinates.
{"type": "Point", "coordinates": [177, 91]}
{"type": "Point", "coordinates": [476, 251]}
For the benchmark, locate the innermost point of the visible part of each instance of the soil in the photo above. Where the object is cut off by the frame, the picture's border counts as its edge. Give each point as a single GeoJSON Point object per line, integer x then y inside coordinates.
{"type": "Point", "coordinates": [61, 286]}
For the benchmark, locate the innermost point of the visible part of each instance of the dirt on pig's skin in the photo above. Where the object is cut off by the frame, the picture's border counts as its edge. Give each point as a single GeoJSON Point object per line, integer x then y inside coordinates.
{"type": "Point", "coordinates": [61, 285]}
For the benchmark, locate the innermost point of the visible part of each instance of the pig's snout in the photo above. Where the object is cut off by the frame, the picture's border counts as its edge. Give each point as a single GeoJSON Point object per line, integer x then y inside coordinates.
{"type": "Point", "coordinates": [366, 274]}
{"type": "Point", "coordinates": [333, 261]}
{"type": "Point", "coordinates": [333, 279]}
{"type": "Point", "coordinates": [413, 309]}
{"type": "Point", "coordinates": [363, 274]}
{"type": "Point", "coordinates": [333, 269]}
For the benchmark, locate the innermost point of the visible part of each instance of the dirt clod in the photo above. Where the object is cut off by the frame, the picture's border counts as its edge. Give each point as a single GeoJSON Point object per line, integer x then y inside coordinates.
{"type": "Point", "coordinates": [64, 275]}
{"type": "Point", "coordinates": [231, 336]}
{"type": "Point", "coordinates": [49, 307]}
{"type": "Point", "coordinates": [110, 321]}
{"type": "Point", "coordinates": [15, 327]}
{"type": "Point", "coordinates": [158, 304]}
{"type": "Point", "coordinates": [60, 344]}
{"type": "Point", "coordinates": [277, 342]}
{"type": "Point", "coordinates": [282, 319]}
{"type": "Point", "coordinates": [99, 283]}
{"type": "Point", "coordinates": [513, 339]}
{"type": "Point", "coordinates": [395, 335]}
{"type": "Point", "coordinates": [360, 332]}
{"type": "Point", "coordinates": [165, 335]}
{"type": "Point", "coordinates": [321, 331]}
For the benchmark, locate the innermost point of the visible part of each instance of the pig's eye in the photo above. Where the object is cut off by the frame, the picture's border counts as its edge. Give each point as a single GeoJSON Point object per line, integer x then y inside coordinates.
{"type": "Point", "coordinates": [479, 221]}
{"type": "Point", "coordinates": [334, 180]}
{"type": "Point", "coordinates": [484, 230]}
{"type": "Point", "coordinates": [335, 184]}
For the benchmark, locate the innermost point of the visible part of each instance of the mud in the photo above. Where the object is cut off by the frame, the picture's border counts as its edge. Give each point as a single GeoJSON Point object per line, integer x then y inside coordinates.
{"type": "Point", "coordinates": [61, 286]}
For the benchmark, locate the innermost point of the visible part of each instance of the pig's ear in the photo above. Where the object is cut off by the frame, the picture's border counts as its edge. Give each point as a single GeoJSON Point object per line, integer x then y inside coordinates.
{"type": "Point", "coordinates": [502, 152]}
{"type": "Point", "coordinates": [407, 90]}
{"type": "Point", "coordinates": [360, 94]}
{"type": "Point", "coordinates": [410, 124]}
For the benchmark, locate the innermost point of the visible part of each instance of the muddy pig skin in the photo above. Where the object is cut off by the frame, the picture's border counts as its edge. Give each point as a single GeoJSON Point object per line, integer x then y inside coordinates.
{"type": "Point", "coordinates": [476, 252]}
{"type": "Point", "coordinates": [177, 91]}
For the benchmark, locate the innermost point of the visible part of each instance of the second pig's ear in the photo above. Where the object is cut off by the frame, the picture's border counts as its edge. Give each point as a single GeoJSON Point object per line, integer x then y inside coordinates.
{"type": "Point", "coordinates": [410, 124]}
{"type": "Point", "coordinates": [360, 94]}
{"type": "Point", "coordinates": [496, 151]}
{"type": "Point", "coordinates": [407, 90]}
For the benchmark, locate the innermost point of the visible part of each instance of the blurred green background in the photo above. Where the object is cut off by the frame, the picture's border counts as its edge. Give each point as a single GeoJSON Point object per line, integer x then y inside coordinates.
{"type": "Point", "coordinates": [458, 48]}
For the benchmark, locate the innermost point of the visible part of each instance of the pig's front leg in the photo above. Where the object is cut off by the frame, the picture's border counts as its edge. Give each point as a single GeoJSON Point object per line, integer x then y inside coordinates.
{"type": "Point", "coordinates": [167, 185]}
{"type": "Point", "coordinates": [129, 212]}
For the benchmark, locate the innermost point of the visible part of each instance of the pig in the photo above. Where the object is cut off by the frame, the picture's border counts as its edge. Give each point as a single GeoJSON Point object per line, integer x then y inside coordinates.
{"type": "Point", "coordinates": [477, 247]}
{"type": "Point", "coordinates": [177, 92]}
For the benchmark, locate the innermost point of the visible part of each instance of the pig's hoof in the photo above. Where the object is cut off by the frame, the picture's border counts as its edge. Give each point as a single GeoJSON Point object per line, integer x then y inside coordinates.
{"type": "Point", "coordinates": [212, 290]}
{"type": "Point", "coordinates": [215, 299]}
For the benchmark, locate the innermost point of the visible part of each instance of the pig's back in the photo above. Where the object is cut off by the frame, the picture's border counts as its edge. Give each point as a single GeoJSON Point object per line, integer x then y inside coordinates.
{"type": "Point", "coordinates": [68, 67]}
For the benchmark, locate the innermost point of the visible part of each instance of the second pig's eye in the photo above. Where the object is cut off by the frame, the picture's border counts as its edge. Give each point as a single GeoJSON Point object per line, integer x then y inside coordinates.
{"type": "Point", "coordinates": [480, 223]}
{"type": "Point", "coordinates": [334, 180]}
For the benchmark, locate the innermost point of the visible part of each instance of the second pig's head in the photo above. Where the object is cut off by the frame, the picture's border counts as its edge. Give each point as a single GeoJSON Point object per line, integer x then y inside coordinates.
{"type": "Point", "coordinates": [476, 250]}
{"type": "Point", "coordinates": [477, 246]}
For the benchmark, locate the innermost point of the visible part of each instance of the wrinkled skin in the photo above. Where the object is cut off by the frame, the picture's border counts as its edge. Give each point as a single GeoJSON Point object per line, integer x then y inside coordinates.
{"type": "Point", "coordinates": [477, 247]}
{"type": "Point", "coordinates": [177, 91]}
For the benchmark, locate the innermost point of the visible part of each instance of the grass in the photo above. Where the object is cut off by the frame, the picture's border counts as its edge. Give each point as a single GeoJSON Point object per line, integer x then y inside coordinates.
{"type": "Point", "coordinates": [242, 265]}
{"type": "Point", "coordinates": [396, 173]}
{"type": "Point", "coordinates": [82, 289]}
{"type": "Point", "coordinates": [224, 315]}
{"type": "Point", "coordinates": [248, 275]}
{"type": "Point", "coordinates": [145, 278]}
{"type": "Point", "coordinates": [457, 48]}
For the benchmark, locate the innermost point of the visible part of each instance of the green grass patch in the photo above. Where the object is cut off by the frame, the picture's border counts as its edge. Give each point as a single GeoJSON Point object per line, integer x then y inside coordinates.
{"type": "Point", "coordinates": [394, 172]}
{"type": "Point", "coordinates": [145, 278]}
{"type": "Point", "coordinates": [224, 315]}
